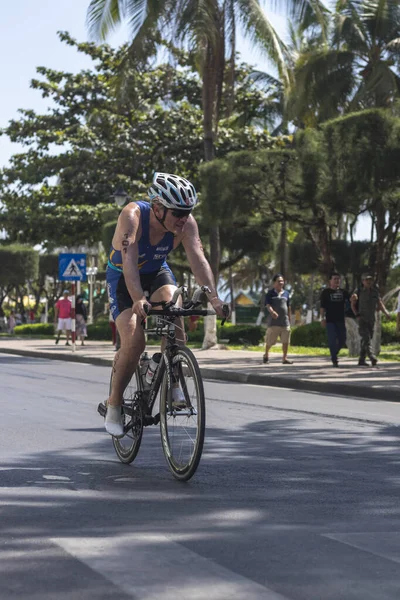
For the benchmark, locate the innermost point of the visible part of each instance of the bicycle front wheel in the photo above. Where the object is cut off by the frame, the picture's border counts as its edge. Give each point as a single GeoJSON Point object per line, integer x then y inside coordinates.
{"type": "Point", "coordinates": [128, 446]}
{"type": "Point", "coordinates": [183, 427]}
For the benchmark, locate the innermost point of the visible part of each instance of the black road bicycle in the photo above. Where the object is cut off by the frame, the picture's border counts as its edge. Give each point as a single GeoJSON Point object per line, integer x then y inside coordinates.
{"type": "Point", "coordinates": [182, 426]}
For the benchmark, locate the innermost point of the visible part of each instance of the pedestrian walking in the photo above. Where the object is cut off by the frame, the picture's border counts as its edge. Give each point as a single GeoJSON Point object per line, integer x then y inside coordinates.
{"type": "Point", "coordinates": [332, 311]}
{"type": "Point", "coordinates": [365, 302]}
{"type": "Point", "coordinates": [277, 304]}
{"type": "Point", "coordinates": [62, 316]}
{"type": "Point", "coordinates": [81, 318]}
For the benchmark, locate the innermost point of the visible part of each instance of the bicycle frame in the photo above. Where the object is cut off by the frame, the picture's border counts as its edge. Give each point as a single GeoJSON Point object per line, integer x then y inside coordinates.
{"type": "Point", "coordinates": [166, 329]}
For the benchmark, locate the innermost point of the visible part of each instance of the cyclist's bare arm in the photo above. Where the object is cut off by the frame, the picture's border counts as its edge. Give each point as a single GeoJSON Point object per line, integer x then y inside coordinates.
{"type": "Point", "coordinates": [126, 239]}
{"type": "Point", "coordinates": [199, 265]}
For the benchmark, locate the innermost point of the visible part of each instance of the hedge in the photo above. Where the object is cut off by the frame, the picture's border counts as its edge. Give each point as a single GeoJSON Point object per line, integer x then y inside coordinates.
{"type": "Point", "coordinates": [314, 335]}
{"type": "Point", "coordinates": [99, 331]}
{"type": "Point", "coordinates": [35, 329]}
{"type": "Point", "coordinates": [236, 334]}
{"type": "Point", "coordinates": [389, 332]}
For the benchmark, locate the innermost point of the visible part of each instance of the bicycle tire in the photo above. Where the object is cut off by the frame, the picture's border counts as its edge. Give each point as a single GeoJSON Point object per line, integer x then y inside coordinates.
{"type": "Point", "coordinates": [182, 433]}
{"type": "Point", "coordinates": [128, 446]}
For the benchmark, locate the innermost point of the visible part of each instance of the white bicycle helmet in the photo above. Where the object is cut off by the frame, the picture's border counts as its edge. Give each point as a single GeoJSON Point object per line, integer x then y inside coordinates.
{"type": "Point", "coordinates": [173, 191]}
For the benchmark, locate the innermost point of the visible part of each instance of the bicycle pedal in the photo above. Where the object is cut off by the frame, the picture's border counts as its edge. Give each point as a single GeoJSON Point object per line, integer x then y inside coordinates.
{"type": "Point", "coordinates": [156, 419]}
{"type": "Point", "coordinates": [101, 409]}
{"type": "Point", "coordinates": [148, 420]}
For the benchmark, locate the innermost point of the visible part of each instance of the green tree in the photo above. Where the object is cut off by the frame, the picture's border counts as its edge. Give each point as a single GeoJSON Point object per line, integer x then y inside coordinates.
{"type": "Point", "coordinates": [103, 137]}
{"type": "Point", "coordinates": [210, 31]}
{"type": "Point", "coordinates": [349, 64]}
{"type": "Point", "coordinates": [19, 265]}
{"type": "Point", "coordinates": [362, 153]}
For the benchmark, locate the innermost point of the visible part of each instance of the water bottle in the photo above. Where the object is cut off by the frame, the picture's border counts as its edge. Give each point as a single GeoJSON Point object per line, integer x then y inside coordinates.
{"type": "Point", "coordinates": [152, 368]}
{"type": "Point", "coordinates": [144, 363]}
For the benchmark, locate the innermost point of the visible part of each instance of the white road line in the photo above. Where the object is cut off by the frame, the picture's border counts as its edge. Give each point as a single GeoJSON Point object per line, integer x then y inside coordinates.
{"type": "Point", "coordinates": [385, 544]}
{"type": "Point", "coordinates": [150, 567]}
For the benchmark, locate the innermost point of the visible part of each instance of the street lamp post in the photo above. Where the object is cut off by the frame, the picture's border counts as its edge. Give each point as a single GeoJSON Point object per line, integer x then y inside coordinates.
{"type": "Point", "coordinates": [91, 275]}
{"type": "Point", "coordinates": [120, 196]}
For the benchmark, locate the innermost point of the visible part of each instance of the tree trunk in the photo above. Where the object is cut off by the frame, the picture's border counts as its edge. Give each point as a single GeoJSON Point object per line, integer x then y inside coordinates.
{"type": "Point", "coordinates": [283, 250]}
{"type": "Point", "coordinates": [381, 274]}
{"type": "Point", "coordinates": [209, 111]}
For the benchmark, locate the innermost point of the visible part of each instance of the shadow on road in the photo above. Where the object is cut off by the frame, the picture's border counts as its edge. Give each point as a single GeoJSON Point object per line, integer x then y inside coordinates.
{"type": "Point", "coordinates": [268, 489]}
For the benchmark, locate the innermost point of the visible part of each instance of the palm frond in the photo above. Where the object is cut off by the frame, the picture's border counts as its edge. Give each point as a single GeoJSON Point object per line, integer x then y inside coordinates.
{"type": "Point", "coordinates": [307, 11]}
{"type": "Point", "coordinates": [265, 79]}
{"type": "Point", "coordinates": [323, 83]}
{"type": "Point", "coordinates": [199, 20]}
{"type": "Point", "coordinates": [103, 16]}
{"type": "Point", "coordinates": [349, 27]}
{"type": "Point", "coordinates": [260, 30]}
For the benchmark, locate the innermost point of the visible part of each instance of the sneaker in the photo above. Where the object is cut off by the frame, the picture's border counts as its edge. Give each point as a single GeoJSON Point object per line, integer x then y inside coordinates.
{"type": "Point", "coordinates": [287, 362]}
{"type": "Point", "coordinates": [265, 360]}
{"type": "Point", "coordinates": [57, 340]}
{"type": "Point", "coordinates": [363, 363]}
{"type": "Point", "coordinates": [335, 363]}
{"type": "Point", "coordinates": [67, 344]}
{"type": "Point", "coordinates": [178, 398]}
{"type": "Point", "coordinates": [374, 361]}
{"type": "Point", "coordinates": [113, 421]}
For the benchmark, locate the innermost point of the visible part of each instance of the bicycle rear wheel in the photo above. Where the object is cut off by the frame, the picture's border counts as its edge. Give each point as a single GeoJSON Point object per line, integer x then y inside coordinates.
{"type": "Point", "coordinates": [128, 446]}
{"type": "Point", "coordinates": [182, 429]}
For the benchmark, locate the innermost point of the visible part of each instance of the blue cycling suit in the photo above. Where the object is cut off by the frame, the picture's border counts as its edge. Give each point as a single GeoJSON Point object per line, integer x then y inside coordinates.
{"type": "Point", "coordinates": [153, 268]}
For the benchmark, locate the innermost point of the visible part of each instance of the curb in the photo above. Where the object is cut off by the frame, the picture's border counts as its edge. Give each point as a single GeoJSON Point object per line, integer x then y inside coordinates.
{"type": "Point", "coordinates": [101, 362]}
{"type": "Point", "coordinates": [335, 389]}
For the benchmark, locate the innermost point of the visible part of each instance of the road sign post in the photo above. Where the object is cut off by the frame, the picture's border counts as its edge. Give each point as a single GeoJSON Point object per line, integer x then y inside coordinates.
{"type": "Point", "coordinates": [72, 267]}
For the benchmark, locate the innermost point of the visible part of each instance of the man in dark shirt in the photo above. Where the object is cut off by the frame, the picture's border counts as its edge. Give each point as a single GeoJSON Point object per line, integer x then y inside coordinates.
{"type": "Point", "coordinates": [333, 300]}
{"type": "Point", "coordinates": [277, 304]}
{"type": "Point", "coordinates": [365, 302]}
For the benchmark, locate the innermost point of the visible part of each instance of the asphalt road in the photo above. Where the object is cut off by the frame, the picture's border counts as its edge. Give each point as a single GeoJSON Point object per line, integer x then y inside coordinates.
{"type": "Point", "coordinates": [296, 497]}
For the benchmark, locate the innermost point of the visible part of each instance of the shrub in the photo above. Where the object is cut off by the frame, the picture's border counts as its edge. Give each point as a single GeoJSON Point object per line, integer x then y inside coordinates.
{"type": "Point", "coordinates": [389, 332]}
{"type": "Point", "coordinates": [236, 334]}
{"type": "Point", "coordinates": [99, 331]}
{"type": "Point", "coordinates": [35, 329]}
{"type": "Point", "coordinates": [313, 335]}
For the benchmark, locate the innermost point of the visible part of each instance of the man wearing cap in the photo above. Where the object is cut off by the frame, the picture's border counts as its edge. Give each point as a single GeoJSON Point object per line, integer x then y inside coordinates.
{"type": "Point", "coordinates": [62, 316]}
{"type": "Point", "coordinates": [365, 302]}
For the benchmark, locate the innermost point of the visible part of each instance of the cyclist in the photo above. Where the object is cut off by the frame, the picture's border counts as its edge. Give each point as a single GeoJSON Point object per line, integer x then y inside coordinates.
{"type": "Point", "coordinates": [144, 236]}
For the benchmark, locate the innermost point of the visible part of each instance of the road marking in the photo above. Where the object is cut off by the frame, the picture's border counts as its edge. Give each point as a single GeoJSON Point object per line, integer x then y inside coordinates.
{"type": "Point", "coordinates": [152, 566]}
{"type": "Point", "coordinates": [385, 544]}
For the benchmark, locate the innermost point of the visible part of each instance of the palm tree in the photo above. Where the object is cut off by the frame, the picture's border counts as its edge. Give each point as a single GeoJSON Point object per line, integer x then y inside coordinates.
{"type": "Point", "coordinates": [208, 29]}
{"type": "Point", "coordinates": [350, 66]}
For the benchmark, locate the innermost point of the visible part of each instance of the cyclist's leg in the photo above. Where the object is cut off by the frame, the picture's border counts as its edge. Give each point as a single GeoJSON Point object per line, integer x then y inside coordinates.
{"type": "Point", "coordinates": [124, 365]}
{"type": "Point", "coordinates": [127, 357]}
{"type": "Point", "coordinates": [162, 289]}
{"type": "Point", "coordinates": [132, 344]}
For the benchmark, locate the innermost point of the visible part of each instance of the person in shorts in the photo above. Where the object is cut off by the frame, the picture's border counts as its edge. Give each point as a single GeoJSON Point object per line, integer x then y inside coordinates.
{"type": "Point", "coordinates": [62, 316]}
{"type": "Point", "coordinates": [138, 274]}
{"type": "Point", "coordinates": [277, 304]}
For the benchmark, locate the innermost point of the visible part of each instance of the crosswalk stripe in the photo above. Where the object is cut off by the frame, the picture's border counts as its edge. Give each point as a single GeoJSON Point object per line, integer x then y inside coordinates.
{"type": "Point", "coordinates": [152, 566]}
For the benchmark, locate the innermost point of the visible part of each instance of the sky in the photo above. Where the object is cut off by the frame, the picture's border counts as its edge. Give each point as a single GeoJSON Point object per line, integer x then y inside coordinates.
{"type": "Point", "coordinates": [28, 39]}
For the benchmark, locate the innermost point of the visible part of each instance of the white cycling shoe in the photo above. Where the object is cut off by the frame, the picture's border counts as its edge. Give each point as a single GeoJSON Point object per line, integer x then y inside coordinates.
{"type": "Point", "coordinates": [113, 421]}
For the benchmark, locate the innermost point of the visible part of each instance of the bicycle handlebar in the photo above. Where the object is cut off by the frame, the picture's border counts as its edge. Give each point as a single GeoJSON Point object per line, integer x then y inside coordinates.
{"type": "Point", "coordinates": [168, 309]}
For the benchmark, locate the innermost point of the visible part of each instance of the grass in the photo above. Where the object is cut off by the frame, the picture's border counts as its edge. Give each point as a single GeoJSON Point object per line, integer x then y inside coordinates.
{"type": "Point", "coordinates": [388, 352]}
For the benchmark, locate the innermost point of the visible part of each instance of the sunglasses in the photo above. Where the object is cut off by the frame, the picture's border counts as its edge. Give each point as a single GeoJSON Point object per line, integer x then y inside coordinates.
{"type": "Point", "coordinates": [180, 213]}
